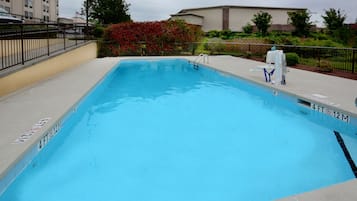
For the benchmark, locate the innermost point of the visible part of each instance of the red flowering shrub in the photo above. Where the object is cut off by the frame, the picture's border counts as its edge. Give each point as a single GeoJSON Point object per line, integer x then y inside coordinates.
{"type": "Point", "coordinates": [150, 38]}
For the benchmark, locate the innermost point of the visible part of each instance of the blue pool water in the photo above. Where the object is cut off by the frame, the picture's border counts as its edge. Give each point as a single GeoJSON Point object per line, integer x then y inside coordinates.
{"type": "Point", "coordinates": [160, 130]}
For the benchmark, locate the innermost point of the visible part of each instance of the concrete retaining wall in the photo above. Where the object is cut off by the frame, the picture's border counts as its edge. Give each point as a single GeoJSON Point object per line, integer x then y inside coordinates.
{"type": "Point", "coordinates": [47, 68]}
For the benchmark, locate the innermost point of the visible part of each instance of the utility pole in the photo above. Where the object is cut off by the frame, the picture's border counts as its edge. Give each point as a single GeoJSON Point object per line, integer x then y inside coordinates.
{"type": "Point", "coordinates": [87, 13]}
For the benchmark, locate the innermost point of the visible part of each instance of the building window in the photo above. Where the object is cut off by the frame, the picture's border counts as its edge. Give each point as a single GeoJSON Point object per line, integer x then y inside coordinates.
{"type": "Point", "coordinates": [28, 3]}
{"type": "Point", "coordinates": [7, 9]}
{"type": "Point", "coordinates": [28, 15]}
{"type": "Point", "coordinates": [7, 0]}
{"type": "Point", "coordinates": [46, 18]}
{"type": "Point", "coordinates": [46, 9]}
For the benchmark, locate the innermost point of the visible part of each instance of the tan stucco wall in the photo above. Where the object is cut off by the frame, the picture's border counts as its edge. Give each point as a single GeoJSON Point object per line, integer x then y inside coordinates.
{"type": "Point", "coordinates": [212, 18]}
{"type": "Point", "coordinates": [239, 17]}
{"type": "Point", "coordinates": [190, 19]}
{"type": "Point", "coordinates": [47, 68]}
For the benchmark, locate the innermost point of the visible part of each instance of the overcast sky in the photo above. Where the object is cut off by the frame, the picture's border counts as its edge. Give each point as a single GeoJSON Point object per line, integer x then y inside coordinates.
{"type": "Point", "coordinates": [151, 10]}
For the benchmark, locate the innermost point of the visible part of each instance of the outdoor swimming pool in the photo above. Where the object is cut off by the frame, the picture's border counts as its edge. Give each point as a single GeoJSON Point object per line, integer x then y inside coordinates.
{"type": "Point", "coordinates": [161, 130]}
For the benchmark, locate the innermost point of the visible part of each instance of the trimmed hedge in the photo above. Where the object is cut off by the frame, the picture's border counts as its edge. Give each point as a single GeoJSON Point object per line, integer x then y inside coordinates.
{"type": "Point", "coordinates": [292, 59]}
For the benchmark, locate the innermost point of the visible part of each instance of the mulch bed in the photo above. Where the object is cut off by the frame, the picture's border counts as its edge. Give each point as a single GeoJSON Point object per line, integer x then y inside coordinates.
{"type": "Point", "coordinates": [337, 73]}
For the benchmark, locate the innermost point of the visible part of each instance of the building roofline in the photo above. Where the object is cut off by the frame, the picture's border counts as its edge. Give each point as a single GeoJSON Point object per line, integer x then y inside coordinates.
{"type": "Point", "coordinates": [234, 6]}
{"type": "Point", "coordinates": [186, 14]}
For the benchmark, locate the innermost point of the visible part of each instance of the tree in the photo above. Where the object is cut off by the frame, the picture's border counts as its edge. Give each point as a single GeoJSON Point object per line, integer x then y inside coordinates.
{"type": "Point", "coordinates": [301, 21]}
{"type": "Point", "coordinates": [335, 23]}
{"type": "Point", "coordinates": [262, 20]}
{"type": "Point", "coordinates": [107, 11]}
{"type": "Point", "coordinates": [334, 19]}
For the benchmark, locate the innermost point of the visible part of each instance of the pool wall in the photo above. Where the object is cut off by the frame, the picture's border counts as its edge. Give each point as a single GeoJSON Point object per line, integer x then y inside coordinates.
{"type": "Point", "coordinates": [284, 99]}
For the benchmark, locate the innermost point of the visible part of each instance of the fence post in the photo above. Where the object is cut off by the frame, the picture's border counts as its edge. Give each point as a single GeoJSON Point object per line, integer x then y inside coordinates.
{"type": "Point", "coordinates": [22, 44]}
{"type": "Point", "coordinates": [48, 40]}
{"type": "Point", "coordinates": [76, 33]}
{"type": "Point", "coordinates": [2, 55]}
{"type": "Point", "coordinates": [193, 45]}
{"type": "Point", "coordinates": [319, 57]}
{"type": "Point", "coordinates": [64, 37]}
{"type": "Point", "coordinates": [353, 60]}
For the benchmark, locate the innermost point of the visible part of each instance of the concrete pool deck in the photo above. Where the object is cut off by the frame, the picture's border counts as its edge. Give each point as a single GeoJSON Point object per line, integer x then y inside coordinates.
{"type": "Point", "coordinates": [56, 96]}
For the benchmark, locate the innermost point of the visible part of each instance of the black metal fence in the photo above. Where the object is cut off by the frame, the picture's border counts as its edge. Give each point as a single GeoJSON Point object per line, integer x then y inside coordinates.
{"type": "Point", "coordinates": [20, 43]}
{"type": "Point", "coordinates": [344, 59]}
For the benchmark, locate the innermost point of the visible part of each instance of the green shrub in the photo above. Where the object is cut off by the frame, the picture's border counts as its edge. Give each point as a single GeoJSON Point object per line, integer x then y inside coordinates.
{"type": "Point", "coordinates": [201, 47]}
{"type": "Point", "coordinates": [248, 54]}
{"type": "Point", "coordinates": [226, 34]}
{"type": "Point", "coordinates": [98, 31]}
{"type": "Point", "coordinates": [243, 35]}
{"type": "Point", "coordinates": [214, 45]}
{"type": "Point", "coordinates": [282, 39]}
{"type": "Point", "coordinates": [248, 28]}
{"type": "Point", "coordinates": [213, 34]}
{"type": "Point", "coordinates": [106, 49]}
{"type": "Point", "coordinates": [355, 43]}
{"type": "Point", "coordinates": [319, 36]}
{"type": "Point", "coordinates": [324, 66]}
{"type": "Point", "coordinates": [322, 43]}
{"type": "Point", "coordinates": [281, 33]}
{"type": "Point", "coordinates": [292, 59]}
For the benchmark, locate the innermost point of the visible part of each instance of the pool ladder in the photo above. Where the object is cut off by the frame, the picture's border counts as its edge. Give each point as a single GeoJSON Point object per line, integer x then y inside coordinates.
{"type": "Point", "coordinates": [203, 58]}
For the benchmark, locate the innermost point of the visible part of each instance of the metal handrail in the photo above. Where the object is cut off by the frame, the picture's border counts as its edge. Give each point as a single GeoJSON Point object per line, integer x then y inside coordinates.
{"type": "Point", "coordinates": [202, 57]}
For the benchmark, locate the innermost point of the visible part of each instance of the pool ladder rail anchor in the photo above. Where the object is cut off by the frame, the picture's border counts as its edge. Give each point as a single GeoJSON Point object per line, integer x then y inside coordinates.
{"type": "Point", "coordinates": [201, 58]}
